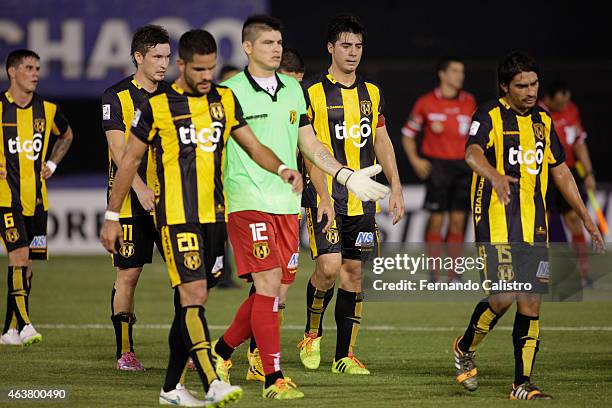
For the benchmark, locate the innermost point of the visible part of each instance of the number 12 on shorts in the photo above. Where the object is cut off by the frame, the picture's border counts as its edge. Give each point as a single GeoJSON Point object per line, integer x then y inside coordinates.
{"type": "Point", "coordinates": [257, 230]}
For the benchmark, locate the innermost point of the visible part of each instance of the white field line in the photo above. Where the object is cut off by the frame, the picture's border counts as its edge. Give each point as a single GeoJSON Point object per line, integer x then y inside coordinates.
{"type": "Point", "coordinates": [296, 327]}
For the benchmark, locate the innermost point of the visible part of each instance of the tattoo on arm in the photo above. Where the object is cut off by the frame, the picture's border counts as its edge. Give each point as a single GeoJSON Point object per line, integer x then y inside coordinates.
{"type": "Point", "coordinates": [325, 161]}
{"type": "Point", "coordinates": [60, 149]}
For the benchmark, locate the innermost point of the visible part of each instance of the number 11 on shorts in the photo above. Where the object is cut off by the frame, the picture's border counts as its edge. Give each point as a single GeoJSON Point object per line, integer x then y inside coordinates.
{"type": "Point", "coordinates": [257, 230]}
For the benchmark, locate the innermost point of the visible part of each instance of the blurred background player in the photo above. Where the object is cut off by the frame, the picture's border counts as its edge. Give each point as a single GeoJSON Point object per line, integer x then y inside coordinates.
{"type": "Point", "coordinates": [568, 124]}
{"type": "Point", "coordinates": [227, 71]}
{"type": "Point", "coordinates": [262, 222]}
{"type": "Point", "coordinates": [292, 64]}
{"type": "Point", "coordinates": [508, 193]}
{"type": "Point", "coordinates": [151, 55]}
{"type": "Point", "coordinates": [443, 116]}
{"type": "Point", "coordinates": [27, 122]}
{"type": "Point", "coordinates": [346, 113]}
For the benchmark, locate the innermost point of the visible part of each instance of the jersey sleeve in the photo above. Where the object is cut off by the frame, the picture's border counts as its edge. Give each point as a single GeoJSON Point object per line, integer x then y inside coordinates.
{"type": "Point", "coordinates": [112, 114]}
{"type": "Point", "coordinates": [142, 124]}
{"type": "Point", "coordinates": [304, 108]}
{"type": "Point", "coordinates": [414, 124]}
{"type": "Point", "coordinates": [480, 130]}
{"type": "Point", "coordinates": [237, 121]}
{"type": "Point", "coordinates": [60, 123]}
{"type": "Point", "coordinates": [381, 106]}
{"type": "Point", "coordinates": [557, 153]}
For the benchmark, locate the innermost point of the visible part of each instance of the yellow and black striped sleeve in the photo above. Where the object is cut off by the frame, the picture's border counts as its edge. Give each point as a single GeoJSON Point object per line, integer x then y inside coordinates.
{"type": "Point", "coordinates": [112, 112]}
{"type": "Point", "coordinates": [237, 120]}
{"type": "Point", "coordinates": [143, 123]}
{"type": "Point", "coordinates": [60, 123]}
{"type": "Point", "coordinates": [480, 130]}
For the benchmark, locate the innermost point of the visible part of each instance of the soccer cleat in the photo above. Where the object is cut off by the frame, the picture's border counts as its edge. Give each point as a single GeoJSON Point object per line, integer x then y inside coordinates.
{"type": "Point", "coordinates": [181, 397]}
{"type": "Point", "coordinates": [222, 367]}
{"type": "Point", "coordinates": [466, 373]}
{"type": "Point", "coordinates": [255, 371]}
{"type": "Point", "coordinates": [528, 391]}
{"type": "Point", "coordinates": [11, 338]}
{"type": "Point", "coordinates": [221, 393]}
{"type": "Point", "coordinates": [310, 352]}
{"type": "Point", "coordinates": [282, 389]}
{"type": "Point", "coordinates": [129, 362]}
{"type": "Point", "coordinates": [29, 335]}
{"type": "Point", "coordinates": [349, 365]}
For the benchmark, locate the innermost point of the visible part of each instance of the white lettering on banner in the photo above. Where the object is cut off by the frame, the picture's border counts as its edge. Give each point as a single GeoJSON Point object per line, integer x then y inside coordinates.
{"type": "Point", "coordinates": [112, 50]}
{"type": "Point", "coordinates": [68, 50]}
{"type": "Point", "coordinates": [11, 34]}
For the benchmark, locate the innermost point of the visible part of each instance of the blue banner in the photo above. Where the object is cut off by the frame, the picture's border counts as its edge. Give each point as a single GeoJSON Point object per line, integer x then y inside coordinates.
{"type": "Point", "coordinates": [85, 45]}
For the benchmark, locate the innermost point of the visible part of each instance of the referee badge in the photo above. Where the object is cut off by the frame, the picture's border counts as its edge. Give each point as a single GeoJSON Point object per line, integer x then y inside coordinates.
{"type": "Point", "coordinates": [292, 117]}
{"type": "Point", "coordinates": [332, 236]}
{"type": "Point", "coordinates": [216, 111]}
{"type": "Point", "coordinates": [12, 235]}
{"type": "Point", "coordinates": [261, 250]}
{"type": "Point", "coordinates": [127, 250]}
{"type": "Point", "coordinates": [366, 107]}
{"type": "Point", "coordinates": [538, 130]}
{"type": "Point", "coordinates": [39, 125]}
{"type": "Point", "coordinates": [192, 260]}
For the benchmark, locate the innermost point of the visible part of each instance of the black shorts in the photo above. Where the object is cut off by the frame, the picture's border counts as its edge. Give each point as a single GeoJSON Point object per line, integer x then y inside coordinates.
{"type": "Point", "coordinates": [139, 236]}
{"type": "Point", "coordinates": [554, 198]}
{"type": "Point", "coordinates": [19, 231]}
{"type": "Point", "coordinates": [514, 267]}
{"type": "Point", "coordinates": [448, 186]}
{"type": "Point", "coordinates": [355, 237]}
{"type": "Point", "coordinates": [194, 252]}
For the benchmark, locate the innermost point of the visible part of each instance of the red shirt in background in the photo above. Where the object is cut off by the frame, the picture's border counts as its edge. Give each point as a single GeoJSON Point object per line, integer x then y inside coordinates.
{"type": "Point", "coordinates": [569, 129]}
{"type": "Point", "coordinates": [444, 122]}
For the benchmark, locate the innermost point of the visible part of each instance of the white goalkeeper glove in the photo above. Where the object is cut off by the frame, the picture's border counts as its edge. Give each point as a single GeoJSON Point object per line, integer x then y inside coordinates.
{"type": "Point", "coordinates": [360, 183]}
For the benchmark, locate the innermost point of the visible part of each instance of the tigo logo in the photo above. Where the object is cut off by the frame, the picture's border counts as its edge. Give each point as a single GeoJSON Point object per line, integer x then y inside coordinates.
{"type": "Point", "coordinates": [355, 132]}
{"type": "Point", "coordinates": [528, 157]}
{"type": "Point", "coordinates": [205, 138]}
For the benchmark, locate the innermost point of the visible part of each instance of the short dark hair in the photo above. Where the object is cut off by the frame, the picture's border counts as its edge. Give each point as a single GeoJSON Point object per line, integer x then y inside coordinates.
{"type": "Point", "coordinates": [344, 23]}
{"type": "Point", "coordinates": [227, 68]}
{"type": "Point", "coordinates": [147, 37]}
{"type": "Point", "coordinates": [555, 87]}
{"type": "Point", "coordinates": [512, 65]}
{"type": "Point", "coordinates": [196, 41]}
{"type": "Point", "coordinates": [15, 57]}
{"type": "Point", "coordinates": [445, 61]}
{"type": "Point", "coordinates": [258, 22]}
{"type": "Point", "coordinates": [291, 61]}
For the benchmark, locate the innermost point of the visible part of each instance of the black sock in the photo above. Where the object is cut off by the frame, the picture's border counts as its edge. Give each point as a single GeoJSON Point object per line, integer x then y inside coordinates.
{"type": "Point", "coordinates": [123, 323]}
{"type": "Point", "coordinates": [195, 334]}
{"type": "Point", "coordinates": [482, 322]}
{"type": "Point", "coordinates": [178, 354]}
{"type": "Point", "coordinates": [17, 296]}
{"type": "Point", "coordinates": [348, 320]}
{"type": "Point", "coordinates": [271, 378]}
{"type": "Point", "coordinates": [223, 350]}
{"type": "Point", "coordinates": [526, 339]}
{"type": "Point", "coordinates": [316, 304]}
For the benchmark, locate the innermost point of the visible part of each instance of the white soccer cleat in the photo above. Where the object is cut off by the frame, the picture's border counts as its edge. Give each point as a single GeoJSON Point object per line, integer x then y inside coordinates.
{"type": "Point", "coordinates": [11, 338]}
{"type": "Point", "coordinates": [29, 335]}
{"type": "Point", "coordinates": [180, 397]}
{"type": "Point", "coordinates": [221, 393]}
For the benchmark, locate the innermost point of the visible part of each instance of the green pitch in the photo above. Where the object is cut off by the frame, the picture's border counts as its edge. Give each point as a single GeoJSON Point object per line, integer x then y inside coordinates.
{"type": "Point", "coordinates": [405, 345]}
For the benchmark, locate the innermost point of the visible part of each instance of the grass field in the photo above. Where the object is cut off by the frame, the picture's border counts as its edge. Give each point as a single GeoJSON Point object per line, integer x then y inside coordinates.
{"type": "Point", "coordinates": [405, 345]}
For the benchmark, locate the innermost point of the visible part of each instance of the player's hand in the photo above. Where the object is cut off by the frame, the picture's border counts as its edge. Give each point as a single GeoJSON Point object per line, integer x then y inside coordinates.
{"type": "Point", "coordinates": [2, 172]}
{"type": "Point", "coordinates": [46, 172]}
{"type": "Point", "coordinates": [501, 185]}
{"type": "Point", "coordinates": [146, 197]}
{"type": "Point", "coordinates": [111, 232]}
{"type": "Point", "coordinates": [326, 208]}
{"type": "Point", "coordinates": [294, 178]}
{"type": "Point", "coordinates": [422, 167]}
{"type": "Point", "coordinates": [396, 205]}
{"type": "Point", "coordinates": [360, 183]}
{"type": "Point", "coordinates": [589, 182]}
{"type": "Point", "coordinates": [598, 243]}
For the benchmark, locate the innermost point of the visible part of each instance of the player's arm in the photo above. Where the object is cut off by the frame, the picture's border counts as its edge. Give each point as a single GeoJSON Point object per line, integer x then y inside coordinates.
{"type": "Point", "coordinates": [582, 154]}
{"type": "Point", "coordinates": [319, 181]}
{"type": "Point", "coordinates": [64, 134]}
{"type": "Point", "coordinates": [385, 154]}
{"type": "Point", "coordinates": [358, 182]}
{"type": "Point", "coordinates": [421, 166]}
{"type": "Point", "coordinates": [264, 157]}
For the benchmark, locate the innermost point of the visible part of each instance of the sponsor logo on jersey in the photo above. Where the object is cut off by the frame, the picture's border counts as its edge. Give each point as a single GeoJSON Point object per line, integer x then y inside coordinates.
{"type": "Point", "coordinates": [205, 138]}
{"type": "Point", "coordinates": [106, 112]}
{"type": "Point", "coordinates": [39, 242]}
{"type": "Point", "coordinates": [532, 159]}
{"type": "Point", "coordinates": [31, 148]}
{"type": "Point", "coordinates": [355, 132]}
{"type": "Point", "coordinates": [364, 239]}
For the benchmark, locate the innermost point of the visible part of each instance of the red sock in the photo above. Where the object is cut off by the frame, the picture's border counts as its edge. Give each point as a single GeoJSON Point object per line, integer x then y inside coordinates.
{"type": "Point", "coordinates": [433, 250]}
{"type": "Point", "coordinates": [266, 328]}
{"type": "Point", "coordinates": [454, 249]}
{"type": "Point", "coordinates": [240, 329]}
{"type": "Point", "coordinates": [580, 249]}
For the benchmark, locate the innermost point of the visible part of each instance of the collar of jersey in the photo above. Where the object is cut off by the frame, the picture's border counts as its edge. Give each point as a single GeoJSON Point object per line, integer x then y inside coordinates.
{"type": "Point", "coordinates": [258, 88]}
{"type": "Point", "coordinates": [505, 104]}
{"type": "Point", "coordinates": [10, 99]}
{"type": "Point", "coordinates": [181, 91]}
{"type": "Point", "coordinates": [333, 80]}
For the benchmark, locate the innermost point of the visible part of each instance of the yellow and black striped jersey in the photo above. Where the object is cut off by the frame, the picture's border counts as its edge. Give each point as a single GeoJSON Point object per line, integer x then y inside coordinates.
{"type": "Point", "coordinates": [188, 135]}
{"type": "Point", "coordinates": [345, 120]}
{"type": "Point", "coordinates": [520, 146]}
{"type": "Point", "coordinates": [118, 105]}
{"type": "Point", "coordinates": [24, 141]}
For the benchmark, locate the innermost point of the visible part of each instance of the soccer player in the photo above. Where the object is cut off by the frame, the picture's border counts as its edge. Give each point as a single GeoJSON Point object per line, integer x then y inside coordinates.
{"type": "Point", "coordinates": [151, 54]}
{"type": "Point", "coordinates": [263, 212]}
{"type": "Point", "coordinates": [513, 149]}
{"type": "Point", "coordinates": [27, 123]}
{"type": "Point", "coordinates": [566, 117]}
{"type": "Point", "coordinates": [188, 128]}
{"type": "Point", "coordinates": [292, 64]}
{"type": "Point", "coordinates": [443, 116]}
{"type": "Point", "coordinates": [347, 114]}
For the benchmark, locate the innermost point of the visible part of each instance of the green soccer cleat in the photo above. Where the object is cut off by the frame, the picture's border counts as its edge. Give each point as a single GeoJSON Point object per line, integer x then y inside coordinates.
{"type": "Point", "coordinates": [255, 371]}
{"type": "Point", "coordinates": [282, 389]}
{"type": "Point", "coordinates": [528, 391]}
{"type": "Point", "coordinates": [349, 365]}
{"type": "Point", "coordinates": [310, 352]}
{"type": "Point", "coordinates": [30, 336]}
{"type": "Point", "coordinates": [467, 373]}
{"type": "Point", "coordinates": [222, 367]}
